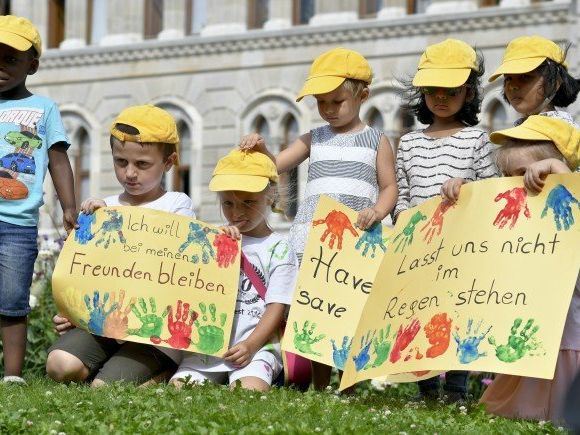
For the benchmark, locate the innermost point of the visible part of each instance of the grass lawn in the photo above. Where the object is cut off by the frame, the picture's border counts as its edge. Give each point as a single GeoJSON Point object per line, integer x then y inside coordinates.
{"type": "Point", "coordinates": [46, 407]}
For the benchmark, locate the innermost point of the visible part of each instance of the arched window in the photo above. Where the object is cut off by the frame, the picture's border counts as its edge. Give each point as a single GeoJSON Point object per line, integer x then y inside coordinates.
{"type": "Point", "coordinates": [302, 11]}
{"type": "Point", "coordinates": [405, 123]}
{"type": "Point", "coordinates": [182, 172]}
{"type": "Point", "coordinates": [55, 23]}
{"type": "Point", "coordinates": [262, 128]}
{"type": "Point", "coordinates": [369, 8]}
{"type": "Point", "coordinates": [5, 7]}
{"type": "Point", "coordinates": [153, 18]}
{"type": "Point", "coordinates": [82, 166]}
{"type": "Point", "coordinates": [375, 120]}
{"type": "Point", "coordinates": [497, 117]}
{"type": "Point", "coordinates": [289, 180]}
{"type": "Point", "coordinates": [258, 12]}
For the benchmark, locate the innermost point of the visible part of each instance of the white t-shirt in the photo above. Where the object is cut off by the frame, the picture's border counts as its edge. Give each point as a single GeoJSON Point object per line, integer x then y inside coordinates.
{"type": "Point", "coordinates": [275, 262]}
{"type": "Point", "coordinates": [171, 202]}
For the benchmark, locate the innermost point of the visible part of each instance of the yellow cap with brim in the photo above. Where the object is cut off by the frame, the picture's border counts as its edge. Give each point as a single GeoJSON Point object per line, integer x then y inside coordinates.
{"type": "Point", "coordinates": [19, 33]}
{"type": "Point", "coordinates": [526, 53]}
{"type": "Point", "coordinates": [332, 68]}
{"type": "Point", "coordinates": [564, 135]}
{"type": "Point", "coordinates": [243, 171]}
{"type": "Point", "coordinates": [447, 64]}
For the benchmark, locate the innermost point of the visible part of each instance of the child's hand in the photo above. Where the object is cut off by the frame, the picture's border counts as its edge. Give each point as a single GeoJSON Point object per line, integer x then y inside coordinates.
{"type": "Point", "coordinates": [90, 205]}
{"type": "Point", "coordinates": [366, 218]}
{"type": "Point", "coordinates": [253, 141]}
{"type": "Point", "coordinates": [61, 324]}
{"type": "Point", "coordinates": [538, 171]}
{"type": "Point", "coordinates": [231, 231]}
{"type": "Point", "coordinates": [241, 354]}
{"type": "Point", "coordinates": [69, 220]}
{"type": "Point", "coordinates": [450, 189]}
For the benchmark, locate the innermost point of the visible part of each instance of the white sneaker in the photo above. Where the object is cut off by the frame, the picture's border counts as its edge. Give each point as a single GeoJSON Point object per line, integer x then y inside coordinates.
{"type": "Point", "coordinates": [13, 379]}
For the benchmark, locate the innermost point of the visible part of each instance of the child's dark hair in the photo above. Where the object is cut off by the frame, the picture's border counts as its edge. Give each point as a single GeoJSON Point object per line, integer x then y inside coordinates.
{"type": "Point", "coordinates": [166, 148]}
{"type": "Point", "coordinates": [414, 100]}
{"type": "Point", "coordinates": [555, 73]}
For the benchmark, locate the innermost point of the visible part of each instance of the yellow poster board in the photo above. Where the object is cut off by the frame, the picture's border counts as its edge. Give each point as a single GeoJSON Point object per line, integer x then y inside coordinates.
{"type": "Point", "coordinates": [149, 276]}
{"type": "Point", "coordinates": [484, 285]}
{"type": "Point", "coordinates": [335, 279]}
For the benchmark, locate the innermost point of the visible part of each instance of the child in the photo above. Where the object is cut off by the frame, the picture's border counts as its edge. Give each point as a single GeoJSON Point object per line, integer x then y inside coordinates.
{"type": "Point", "coordinates": [246, 183]}
{"type": "Point", "coordinates": [32, 138]}
{"type": "Point", "coordinates": [536, 78]}
{"type": "Point", "coordinates": [445, 95]}
{"type": "Point", "coordinates": [349, 161]}
{"type": "Point", "coordinates": [538, 147]}
{"type": "Point", "coordinates": [144, 144]}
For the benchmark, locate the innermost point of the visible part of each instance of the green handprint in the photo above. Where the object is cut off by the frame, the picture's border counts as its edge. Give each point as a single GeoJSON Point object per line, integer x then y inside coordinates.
{"type": "Point", "coordinates": [518, 343]}
{"type": "Point", "coordinates": [382, 346]}
{"type": "Point", "coordinates": [151, 323]}
{"type": "Point", "coordinates": [304, 340]}
{"type": "Point", "coordinates": [408, 231]}
{"type": "Point", "coordinates": [211, 337]}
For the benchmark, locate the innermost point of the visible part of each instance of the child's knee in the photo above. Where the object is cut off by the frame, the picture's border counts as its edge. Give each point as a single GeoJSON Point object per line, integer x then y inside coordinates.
{"type": "Point", "coordinates": [252, 383]}
{"type": "Point", "coordinates": [62, 366]}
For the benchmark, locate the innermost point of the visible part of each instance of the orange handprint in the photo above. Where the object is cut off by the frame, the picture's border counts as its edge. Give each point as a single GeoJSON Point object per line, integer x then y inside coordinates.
{"type": "Point", "coordinates": [438, 332]}
{"type": "Point", "coordinates": [336, 222]}
{"type": "Point", "coordinates": [516, 200]}
{"type": "Point", "coordinates": [117, 322]}
{"type": "Point", "coordinates": [435, 224]}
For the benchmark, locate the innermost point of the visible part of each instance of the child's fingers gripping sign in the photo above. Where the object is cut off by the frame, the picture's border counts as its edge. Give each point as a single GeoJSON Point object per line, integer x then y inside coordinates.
{"type": "Point", "coordinates": [366, 218]}
{"type": "Point", "coordinates": [451, 188]}
{"type": "Point", "coordinates": [231, 231]}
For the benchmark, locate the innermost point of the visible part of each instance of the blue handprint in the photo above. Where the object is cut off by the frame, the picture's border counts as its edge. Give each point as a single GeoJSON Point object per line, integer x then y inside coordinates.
{"type": "Point", "coordinates": [559, 200]}
{"type": "Point", "coordinates": [363, 357]}
{"type": "Point", "coordinates": [198, 236]}
{"type": "Point", "coordinates": [372, 238]}
{"type": "Point", "coordinates": [339, 355]}
{"type": "Point", "coordinates": [97, 312]}
{"type": "Point", "coordinates": [83, 233]}
{"type": "Point", "coordinates": [110, 227]}
{"type": "Point", "coordinates": [467, 350]}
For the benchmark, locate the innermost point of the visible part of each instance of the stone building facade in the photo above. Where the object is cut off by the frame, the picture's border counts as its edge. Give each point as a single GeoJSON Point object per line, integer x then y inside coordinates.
{"type": "Point", "coordinates": [225, 68]}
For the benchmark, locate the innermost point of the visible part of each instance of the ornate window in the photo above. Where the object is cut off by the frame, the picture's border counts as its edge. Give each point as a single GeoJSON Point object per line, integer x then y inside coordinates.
{"type": "Point", "coordinates": [258, 12]}
{"type": "Point", "coordinates": [302, 11]}
{"type": "Point", "coordinates": [375, 119]}
{"type": "Point", "coordinates": [153, 18]}
{"type": "Point", "coordinates": [289, 180]}
{"type": "Point", "coordinates": [497, 117]}
{"type": "Point", "coordinates": [182, 172]}
{"type": "Point", "coordinates": [369, 8]}
{"type": "Point", "coordinates": [82, 166]}
{"type": "Point", "coordinates": [405, 122]}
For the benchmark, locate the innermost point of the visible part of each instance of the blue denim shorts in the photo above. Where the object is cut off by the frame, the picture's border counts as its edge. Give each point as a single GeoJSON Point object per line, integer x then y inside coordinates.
{"type": "Point", "coordinates": [18, 251]}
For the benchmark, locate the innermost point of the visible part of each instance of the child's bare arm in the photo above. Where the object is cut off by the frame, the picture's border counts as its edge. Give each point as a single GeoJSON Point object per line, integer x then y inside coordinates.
{"type": "Point", "coordinates": [63, 179]}
{"type": "Point", "coordinates": [241, 354]}
{"type": "Point", "coordinates": [388, 190]}
{"type": "Point", "coordinates": [538, 171]}
{"type": "Point", "coordinates": [288, 158]}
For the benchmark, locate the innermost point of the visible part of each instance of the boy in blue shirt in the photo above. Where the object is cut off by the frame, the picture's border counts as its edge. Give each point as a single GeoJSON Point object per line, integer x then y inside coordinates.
{"type": "Point", "coordinates": [32, 139]}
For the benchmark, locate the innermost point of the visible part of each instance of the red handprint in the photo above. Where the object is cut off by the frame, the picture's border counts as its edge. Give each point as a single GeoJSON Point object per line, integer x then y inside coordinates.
{"type": "Point", "coordinates": [516, 200]}
{"type": "Point", "coordinates": [403, 339]}
{"type": "Point", "coordinates": [438, 332]}
{"type": "Point", "coordinates": [227, 250]}
{"type": "Point", "coordinates": [179, 328]}
{"type": "Point", "coordinates": [435, 224]}
{"type": "Point", "coordinates": [336, 222]}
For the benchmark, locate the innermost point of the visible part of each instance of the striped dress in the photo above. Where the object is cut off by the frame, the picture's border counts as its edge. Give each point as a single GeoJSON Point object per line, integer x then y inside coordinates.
{"type": "Point", "coordinates": [424, 163]}
{"type": "Point", "coordinates": [342, 166]}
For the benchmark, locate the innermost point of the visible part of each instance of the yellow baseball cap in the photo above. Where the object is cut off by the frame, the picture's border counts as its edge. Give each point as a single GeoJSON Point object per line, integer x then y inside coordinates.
{"type": "Point", "coordinates": [564, 135]}
{"type": "Point", "coordinates": [331, 69]}
{"type": "Point", "coordinates": [526, 53]}
{"type": "Point", "coordinates": [243, 171]}
{"type": "Point", "coordinates": [19, 33]}
{"type": "Point", "coordinates": [446, 64]}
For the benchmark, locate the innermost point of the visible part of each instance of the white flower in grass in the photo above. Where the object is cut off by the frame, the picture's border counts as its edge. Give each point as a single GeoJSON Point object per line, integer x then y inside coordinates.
{"type": "Point", "coordinates": [29, 423]}
{"type": "Point", "coordinates": [159, 390]}
{"type": "Point", "coordinates": [317, 429]}
{"type": "Point", "coordinates": [33, 301]}
{"type": "Point", "coordinates": [560, 429]}
{"type": "Point", "coordinates": [57, 422]}
{"type": "Point", "coordinates": [53, 432]}
{"type": "Point", "coordinates": [188, 399]}
{"type": "Point", "coordinates": [263, 397]}
{"type": "Point", "coordinates": [413, 426]}
{"type": "Point", "coordinates": [541, 423]}
{"type": "Point", "coordinates": [462, 408]}
{"type": "Point", "coordinates": [62, 433]}
{"type": "Point", "coordinates": [48, 393]}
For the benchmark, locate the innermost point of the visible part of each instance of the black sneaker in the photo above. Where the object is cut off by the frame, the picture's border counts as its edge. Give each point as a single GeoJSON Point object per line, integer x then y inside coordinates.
{"type": "Point", "coordinates": [426, 396]}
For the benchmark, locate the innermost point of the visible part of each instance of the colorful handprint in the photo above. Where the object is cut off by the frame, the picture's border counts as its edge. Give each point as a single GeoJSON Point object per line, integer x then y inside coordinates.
{"type": "Point", "coordinates": [83, 233]}
{"type": "Point", "coordinates": [336, 223]}
{"type": "Point", "coordinates": [382, 346]}
{"type": "Point", "coordinates": [197, 236]}
{"type": "Point", "coordinates": [435, 224]}
{"type": "Point", "coordinates": [97, 312]}
{"type": "Point", "coordinates": [363, 357]}
{"type": "Point", "coordinates": [559, 201]}
{"type": "Point", "coordinates": [111, 229]}
{"type": "Point", "coordinates": [340, 355]}
{"type": "Point", "coordinates": [516, 201]}
{"type": "Point", "coordinates": [211, 333]}
{"type": "Point", "coordinates": [519, 343]}
{"type": "Point", "coordinates": [151, 323]}
{"type": "Point", "coordinates": [467, 348]}
{"type": "Point", "coordinates": [227, 250]}
{"type": "Point", "coordinates": [438, 332]}
{"type": "Point", "coordinates": [372, 238]}
{"type": "Point", "coordinates": [304, 339]}
{"type": "Point", "coordinates": [406, 236]}
{"type": "Point", "coordinates": [116, 323]}
{"type": "Point", "coordinates": [403, 338]}
{"type": "Point", "coordinates": [179, 327]}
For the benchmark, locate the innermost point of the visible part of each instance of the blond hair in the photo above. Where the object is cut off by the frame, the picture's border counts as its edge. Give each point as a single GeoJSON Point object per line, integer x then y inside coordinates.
{"type": "Point", "coordinates": [538, 150]}
{"type": "Point", "coordinates": [355, 87]}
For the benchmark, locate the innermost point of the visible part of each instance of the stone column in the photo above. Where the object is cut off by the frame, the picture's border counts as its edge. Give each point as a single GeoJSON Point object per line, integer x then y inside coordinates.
{"type": "Point", "coordinates": [334, 12]}
{"type": "Point", "coordinates": [75, 24]}
{"type": "Point", "coordinates": [225, 17]}
{"type": "Point", "coordinates": [392, 9]}
{"type": "Point", "coordinates": [280, 15]}
{"type": "Point", "coordinates": [451, 6]}
{"type": "Point", "coordinates": [173, 19]}
{"type": "Point", "coordinates": [125, 23]}
{"type": "Point", "coordinates": [513, 3]}
{"type": "Point", "coordinates": [35, 11]}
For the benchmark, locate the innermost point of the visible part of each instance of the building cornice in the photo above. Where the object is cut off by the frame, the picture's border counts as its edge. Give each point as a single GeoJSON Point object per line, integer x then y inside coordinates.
{"type": "Point", "coordinates": [413, 25]}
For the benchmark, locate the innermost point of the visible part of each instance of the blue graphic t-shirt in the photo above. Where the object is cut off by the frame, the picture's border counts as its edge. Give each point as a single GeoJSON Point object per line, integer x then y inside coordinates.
{"type": "Point", "coordinates": [28, 128]}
